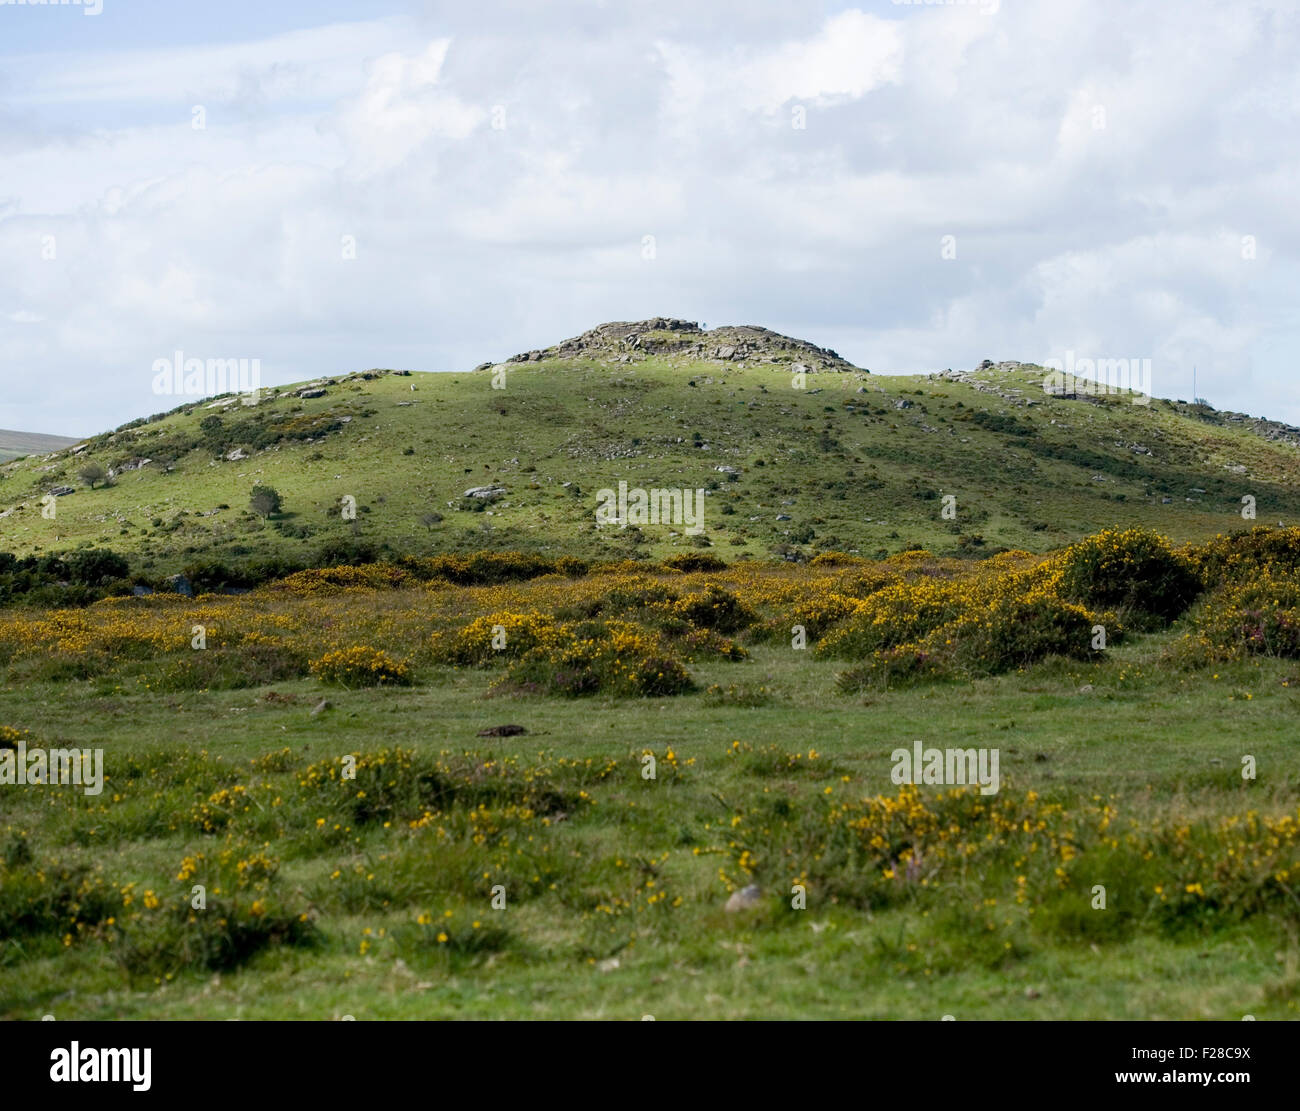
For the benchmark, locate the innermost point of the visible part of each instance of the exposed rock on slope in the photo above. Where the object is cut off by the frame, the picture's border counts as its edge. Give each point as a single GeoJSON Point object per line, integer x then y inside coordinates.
{"type": "Point", "coordinates": [631, 341]}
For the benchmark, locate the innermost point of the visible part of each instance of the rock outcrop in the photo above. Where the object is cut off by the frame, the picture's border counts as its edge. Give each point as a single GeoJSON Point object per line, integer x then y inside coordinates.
{"type": "Point", "coordinates": [632, 341]}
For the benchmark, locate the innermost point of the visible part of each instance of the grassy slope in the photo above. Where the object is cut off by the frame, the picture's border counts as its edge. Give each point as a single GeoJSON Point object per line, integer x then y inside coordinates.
{"type": "Point", "coordinates": [861, 474]}
{"type": "Point", "coordinates": [1158, 741]}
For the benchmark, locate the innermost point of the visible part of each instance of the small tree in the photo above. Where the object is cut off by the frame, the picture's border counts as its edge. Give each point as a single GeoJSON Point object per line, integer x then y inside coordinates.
{"type": "Point", "coordinates": [265, 501]}
{"type": "Point", "coordinates": [92, 473]}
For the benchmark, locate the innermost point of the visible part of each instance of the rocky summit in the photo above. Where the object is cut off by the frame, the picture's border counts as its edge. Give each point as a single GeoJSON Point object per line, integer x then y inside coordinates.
{"type": "Point", "coordinates": [743, 344]}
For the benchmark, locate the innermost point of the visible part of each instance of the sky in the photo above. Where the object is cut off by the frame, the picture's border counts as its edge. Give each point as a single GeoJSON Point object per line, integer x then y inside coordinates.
{"type": "Point", "coordinates": [327, 187]}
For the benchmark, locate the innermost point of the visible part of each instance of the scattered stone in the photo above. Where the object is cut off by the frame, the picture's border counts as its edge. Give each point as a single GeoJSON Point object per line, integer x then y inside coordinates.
{"type": "Point", "coordinates": [235, 456]}
{"type": "Point", "coordinates": [503, 731]}
{"type": "Point", "coordinates": [179, 584]}
{"type": "Point", "coordinates": [63, 491]}
{"type": "Point", "coordinates": [321, 706]}
{"type": "Point", "coordinates": [747, 898]}
{"type": "Point", "coordinates": [484, 493]}
{"type": "Point", "coordinates": [308, 394]}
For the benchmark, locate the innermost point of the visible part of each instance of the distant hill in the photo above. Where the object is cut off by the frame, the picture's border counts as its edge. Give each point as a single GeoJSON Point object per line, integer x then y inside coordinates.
{"type": "Point", "coordinates": [850, 462]}
{"type": "Point", "coordinates": [16, 444]}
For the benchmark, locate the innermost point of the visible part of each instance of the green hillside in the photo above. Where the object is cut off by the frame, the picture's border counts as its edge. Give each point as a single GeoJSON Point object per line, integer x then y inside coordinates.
{"type": "Point", "coordinates": [853, 461]}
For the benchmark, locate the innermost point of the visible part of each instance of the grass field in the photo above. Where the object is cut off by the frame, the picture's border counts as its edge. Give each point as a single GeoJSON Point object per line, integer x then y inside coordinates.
{"type": "Point", "coordinates": [373, 897]}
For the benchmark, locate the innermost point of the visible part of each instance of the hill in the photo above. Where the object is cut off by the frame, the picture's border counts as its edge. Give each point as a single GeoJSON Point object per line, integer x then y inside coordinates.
{"type": "Point", "coordinates": [14, 445]}
{"type": "Point", "coordinates": [515, 454]}
{"type": "Point", "coordinates": [743, 345]}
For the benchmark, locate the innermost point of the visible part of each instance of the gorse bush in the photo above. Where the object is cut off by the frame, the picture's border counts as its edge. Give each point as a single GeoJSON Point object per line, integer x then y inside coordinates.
{"type": "Point", "coordinates": [486, 568]}
{"type": "Point", "coordinates": [902, 613]}
{"type": "Point", "coordinates": [908, 619]}
{"type": "Point", "coordinates": [1240, 555]}
{"type": "Point", "coordinates": [1133, 569]}
{"type": "Point", "coordinates": [623, 660]}
{"type": "Point", "coordinates": [498, 636]}
{"type": "Point", "coordinates": [1014, 632]}
{"type": "Point", "coordinates": [45, 899]}
{"type": "Point", "coordinates": [403, 785]}
{"type": "Point", "coordinates": [1260, 617]}
{"type": "Point", "coordinates": [1172, 874]}
{"type": "Point", "coordinates": [172, 938]}
{"type": "Point", "coordinates": [901, 666]}
{"type": "Point", "coordinates": [714, 608]}
{"type": "Point", "coordinates": [361, 666]}
{"type": "Point", "coordinates": [335, 580]}
{"type": "Point", "coordinates": [694, 561]}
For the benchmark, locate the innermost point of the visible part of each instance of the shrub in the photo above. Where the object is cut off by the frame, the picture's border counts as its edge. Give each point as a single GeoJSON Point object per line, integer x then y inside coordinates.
{"type": "Point", "coordinates": [899, 666]}
{"type": "Point", "coordinates": [625, 662]}
{"type": "Point", "coordinates": [706, 642]}
{"type": "Point", "coordinates": [345, 551]}
{"type": "Point", "coordinates": [641, 595]}
{"type": "Point", "coordinates": [487, 568]}
{"type": "Point", "coordinates": [694, 561]}
{"type": "Point", "coordinates": [714, 608]}
{"type": "Point", "coordinates": [516, 633]}
{"type": "Point", "coordinates": [1134, 569]}
{"type": "Point", "coordinates": [47, 899]}
{"type": "Point", "coordinates": [742, 695]}
{"type": "Point", "coordinates": [96, 567]}
{"type": "Point", "coordinates": [459, 942]}
{"type": "Point", "coordinates": [360, 666]}
{"type": "Point", "coordinates": [901, 613]}
{"type": "Point", "coordinates": [1239, 555]}
{"type": "Point", "coordinates": [1014, 632]}
{"type": "Point", "coordinates": [224, 936]}
{"type": "Point", "coordinates": [1258, 618]}
{"type": "Point", "coordinates": [335, 580]}
{"type": "Point", "coordinates": [254, 663]}
{"type": "Point", "coordinates": [402, 785]}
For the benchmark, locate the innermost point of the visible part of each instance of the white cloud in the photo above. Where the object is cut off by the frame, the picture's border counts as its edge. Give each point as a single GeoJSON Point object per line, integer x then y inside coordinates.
{"type": "Point", "coordinates": [672, 120]}
{"type": "Point", "coordinates": [400, 108]}
{"type": "Point", "coordinates": [849, 56]}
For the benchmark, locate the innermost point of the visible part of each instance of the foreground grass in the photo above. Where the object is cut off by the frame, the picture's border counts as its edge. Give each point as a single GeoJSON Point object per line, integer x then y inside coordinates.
{"type": "Point", "coordinates": [579, 938]}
